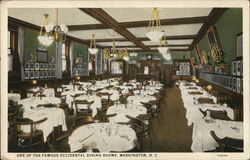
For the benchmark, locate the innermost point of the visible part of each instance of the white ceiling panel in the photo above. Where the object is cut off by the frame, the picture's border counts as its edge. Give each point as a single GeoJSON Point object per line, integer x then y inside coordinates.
{"type": "Point", "coordinates": [116, 43]}
{"type": "Point", "coordinates": [186, 29]}
{"type": "Point", "coordinates": [172, 47]}
{"type": "Point", "coordinates": [139, 14]}
{"type": "Point", "coordinates": [67, 16]}
{"type": "Point", "coordinates": [169, 42]}
{"type": "Point", "coordinates": [99, 34]}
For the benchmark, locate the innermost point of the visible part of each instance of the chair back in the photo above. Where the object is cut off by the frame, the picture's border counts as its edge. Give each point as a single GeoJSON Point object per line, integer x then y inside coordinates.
{"type": "Point", "coordinates": [82, 105]}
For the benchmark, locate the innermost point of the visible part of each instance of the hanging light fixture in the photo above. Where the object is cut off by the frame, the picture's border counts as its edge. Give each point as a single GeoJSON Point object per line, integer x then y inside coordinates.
{"type": "Point", "coordinates": [163, 45]}
{"type": "Point", "coordinates": [125, 56]}
{"type": "Point", "coordinates": [93, 50]}
{"type": "Point", "coordinates": [113, 52]}
{"type": "Point", "coordinates": [154, 28]}
{"type": "Point", "coordinates": [50, 32]}
{"type": "Point", "coordinates": [133, 54]}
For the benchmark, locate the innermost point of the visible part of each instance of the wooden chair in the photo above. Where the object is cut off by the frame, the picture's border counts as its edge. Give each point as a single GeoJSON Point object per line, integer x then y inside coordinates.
{"type": "Point", "coordinates": [81, 112]}
{"type": "Point", "coordinates": [31, 139]}
{"type": "Point", "coordinates": [228, 144]}
{"type": "Point", "coordinates": [82, 120]}
{"type": "Point", "coordinates": [105, 118]}
{"type": "Point", "coordinates": [140, 128]}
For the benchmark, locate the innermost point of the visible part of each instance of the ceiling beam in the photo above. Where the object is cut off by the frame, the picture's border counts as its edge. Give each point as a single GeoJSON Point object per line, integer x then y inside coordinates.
{"type": "Point", "coordinates": [175, 21]}
{"type": "Point", "coordinates": [169, 45]}
{"type": "Point", "coordinates": [155, 50]}
{"type": "Point", "coordinates": [179, 37]}
{"type": "Point", "coordinates": [214, 15]}
{"type": "Point", "coordinates": [106, 19]}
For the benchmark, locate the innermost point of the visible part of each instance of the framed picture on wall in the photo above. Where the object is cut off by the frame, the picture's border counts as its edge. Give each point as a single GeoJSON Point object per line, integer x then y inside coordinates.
{"type": "Point", "coordinates": [27, 65]}
{"type": "Point", "coordinates": [32, 66]}
{"type": "Point", "coordinates": [239, 45]}
{"type": "Point", "coordinates": [234, 68]}
{"type": "Point", "coordinates": [32, 75]}
{"type": "Point", "coordinates": [41, 74]}
{"type": "Point", "coordinates": [36, 74]}
{"type": "Point", "coordinates": [212, 38]}
{"type": "Point", "coordinates": [27, 74]}
{"type": "Point", "coordinates": [238, 68]}
{"type": "Point", "coordinates": [238, 85]}
{"type": "Point", "coordinates": [41, 66]}
{"type": "Point", "coordinates": [37, 66]}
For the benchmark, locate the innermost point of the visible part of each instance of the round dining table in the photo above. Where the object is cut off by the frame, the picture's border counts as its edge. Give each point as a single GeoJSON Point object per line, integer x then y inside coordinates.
{"type": "Point", "coordinates": [105, 137]}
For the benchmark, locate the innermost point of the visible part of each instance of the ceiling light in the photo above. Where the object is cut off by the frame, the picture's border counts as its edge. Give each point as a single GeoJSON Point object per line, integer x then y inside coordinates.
{"type": "Point", "coordinates": [93, 50]}
{"type": "Point", "coordinates": [50, 32]}
{"type": "Point", "coordinates": [154, 28]}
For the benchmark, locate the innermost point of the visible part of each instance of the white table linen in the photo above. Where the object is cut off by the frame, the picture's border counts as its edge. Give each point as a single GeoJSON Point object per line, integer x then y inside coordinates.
{"type": "Point", "coordinates": [99, 135]}
{"type": "Point", "coordinates": [14, 97]}
{"type": "Point", "coordinates": [121, 110]}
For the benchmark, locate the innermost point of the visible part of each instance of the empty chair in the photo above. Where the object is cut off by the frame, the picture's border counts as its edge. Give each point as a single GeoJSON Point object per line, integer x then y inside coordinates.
{"type": "Point", "coordinates": [83, 107]}
{"type": "Point", "coordinates": [33, 138]}
{"type": "Point", "coordinates": [228, 144]}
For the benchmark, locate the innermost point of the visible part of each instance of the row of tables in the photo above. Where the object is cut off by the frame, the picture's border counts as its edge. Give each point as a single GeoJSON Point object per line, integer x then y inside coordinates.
{"type": "Point", "coordinates": [201, 138]}
{"type": "Point", "coordinates": [104, 136]}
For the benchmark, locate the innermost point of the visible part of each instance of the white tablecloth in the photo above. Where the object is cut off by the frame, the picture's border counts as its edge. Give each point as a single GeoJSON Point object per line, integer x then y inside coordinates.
{"type": "Point", "coordinates": [121, 110]}
{"type": "Point", "coordinates": [137, 99]}
{"type": "Point", "coordinates": [55, 116]}
{"type": "Point", "coordinates": [14, 97]}
{"type": "Point", "coordinates": [202, 139]}
{"type": "Point", "coordinates": [114, 96]}
{"type": "Point", "coordinates": [97, 103]}
{"type": "Point", "coordinates": [97, 135]}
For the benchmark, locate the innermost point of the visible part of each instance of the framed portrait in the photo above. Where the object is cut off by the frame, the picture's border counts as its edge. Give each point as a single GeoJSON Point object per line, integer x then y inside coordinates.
{"type": "Point", "coordinates": [37, 66]}
{"type": "Point", "coordinates": [41, 66]}
{"type": "Point", "coordinates": [27, 65]}
{"type": "Point", "coordinates": [45, 74]}
{"type": "Point", "coordinates": [36, 74]}
{"type": "Point", "coordinates": [234, 84]}
{"type": "Point", "coordinates": [27, 74]}
{"type": "Point", "coordinates": [42, 56]}
{"type": "Point", "coordinates": [238, 68]}
{"type": "Point", "coordinates": [41, 74]}
{"type": "Point", "coordinates": [212, 38]}
{"type": "Point", "coordinates": [32, 75]}
{"type": "Point", "coordinates": [238, 85]}
{"type": "Point", "coordinates": [49, 66]}
{"type": "Point", "coordinates": [45, 66]}
{"type": "Point", "coordinates": [239, 45]}
{"type": "Point", "coordinates": [234, 68]}
{"type": "Point", "coordinates": [32, 66]}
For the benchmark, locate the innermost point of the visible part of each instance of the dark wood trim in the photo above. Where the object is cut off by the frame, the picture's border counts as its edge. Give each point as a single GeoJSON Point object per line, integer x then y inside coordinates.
{"type": "Point", "coordinates": [214, 15]}
{"type": "Point", "coordinates": [179, 37]}
{"type": "Point", "coordinates": [134, 24]}
{"type": "Point", "coordinates": [169, 45]}
{"type": "Point", "coordinates": [106, 19]}
{"type": "Point", "coordinates": [155, 50]}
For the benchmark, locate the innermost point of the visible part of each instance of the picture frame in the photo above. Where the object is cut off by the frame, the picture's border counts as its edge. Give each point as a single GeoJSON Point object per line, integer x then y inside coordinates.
{"type": "Point", "coordinates": [42, 56]}
{"type": "Point", "coordinates": [27, 65]}
{"type": "Point", "coordinates": [41, 74]}
{"type": "Point", "coordinates": [27, 74]}
{"type": "Point", "coordinates": [36, 74]}
{"type": "Point", "coordinates": [32, 75]}
{"type": "Point", "coordinates": [32, 66]}
{"type": "Point", "coordinates": [213, 38]}
{"type": "Point", "coordinates": [238, 85]}
{"type": "Point", "coordinates": [238, 70]}
{"type": "Point", "coordinates": [234, 68]}
{"type": "Point", "coordinates": [37, 66]}
{"type": "Point", "coordinates": [45, 66]}
{"type": "Point", "coordinates": [41, 66]}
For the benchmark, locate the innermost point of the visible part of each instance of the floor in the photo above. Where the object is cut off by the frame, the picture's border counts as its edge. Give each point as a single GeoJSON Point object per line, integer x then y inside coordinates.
{"type": "Point", "coordinates": [170, 132]}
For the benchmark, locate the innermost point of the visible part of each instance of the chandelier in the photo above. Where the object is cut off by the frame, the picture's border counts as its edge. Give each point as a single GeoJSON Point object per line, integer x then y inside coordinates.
{"type": "Point", "coordinates": [154, 28]}
{"type": "Point", "coordinates": [115, 53]}
{"type": "Point", "coordinates": [50, 32]}
{"type": "Point", "coordinates": [93, 50]}
{"type": "Point", "coordinates": [163, 47]}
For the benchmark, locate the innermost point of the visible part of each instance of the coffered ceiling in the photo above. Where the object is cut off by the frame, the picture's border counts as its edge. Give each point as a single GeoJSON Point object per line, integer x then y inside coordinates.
{"type": "Point", "coordinates": [182, 26]}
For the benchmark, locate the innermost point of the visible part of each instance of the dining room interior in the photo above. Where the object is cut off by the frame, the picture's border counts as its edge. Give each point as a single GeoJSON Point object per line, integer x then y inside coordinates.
{"type": "Point", "coordinates": [125, 80]}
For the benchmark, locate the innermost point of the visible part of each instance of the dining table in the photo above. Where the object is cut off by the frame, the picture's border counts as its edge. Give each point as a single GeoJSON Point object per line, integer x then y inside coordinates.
{"type": "Point", "coordinates": [55, 116]}
{"type": "Point", "coordinates": [121, 110]}
{"type": "Point", "coordinates": [105, 137]}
